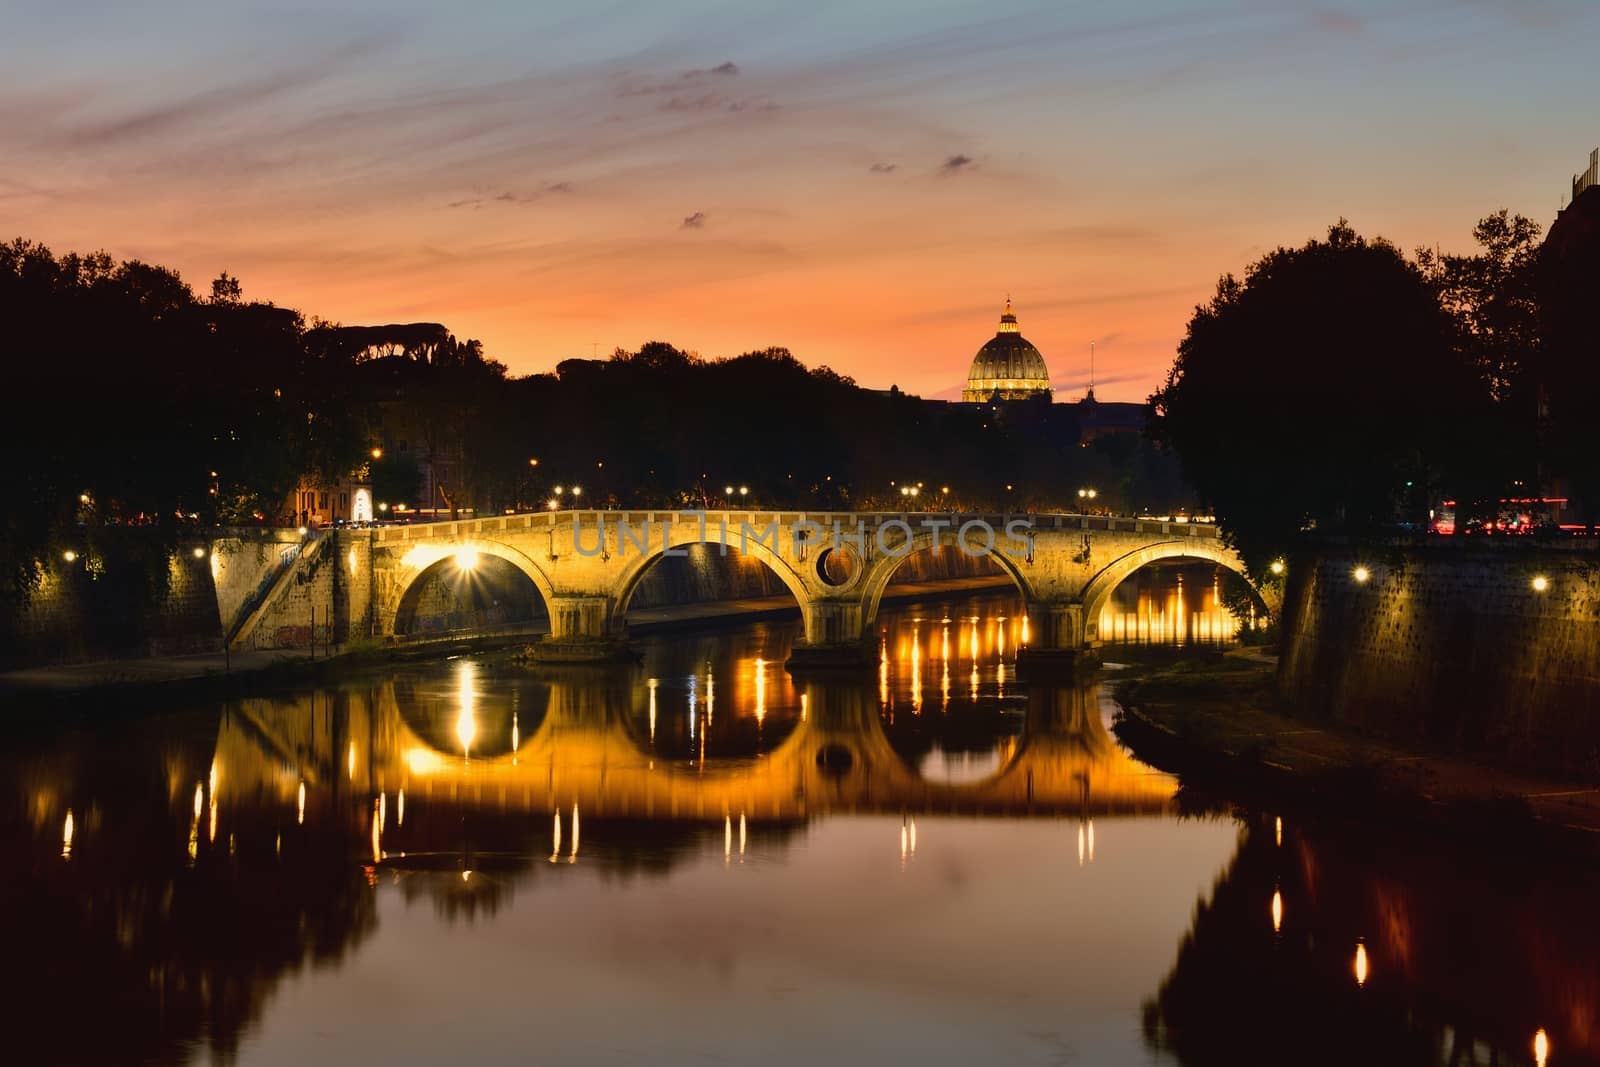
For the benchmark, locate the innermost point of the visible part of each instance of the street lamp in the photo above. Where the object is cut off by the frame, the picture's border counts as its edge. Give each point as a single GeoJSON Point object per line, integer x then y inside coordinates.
{"type": "Point", "coordinates": [1361, 574]}
{"type": "Point", "coordinates": [1540, 583]}
{"type": "Point", "coordinates": [533, 461]}
{"type": "Point", "coordinates": [744, 490]}
{"type": "Point", "coordinates": [577, 490]}
{"type": "Point", "coordinates": [1277, 566]}
{"type": "Point", "coordinates": [377, 453]}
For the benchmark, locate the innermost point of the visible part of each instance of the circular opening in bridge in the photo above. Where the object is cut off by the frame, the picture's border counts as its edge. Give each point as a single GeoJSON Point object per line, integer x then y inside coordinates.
{"type": "Point", "coordinates": [837, 566]}
{"type": "Point", "coordinates": [470, 591]}
{"type": "Point", "coordinates": [835, 760]}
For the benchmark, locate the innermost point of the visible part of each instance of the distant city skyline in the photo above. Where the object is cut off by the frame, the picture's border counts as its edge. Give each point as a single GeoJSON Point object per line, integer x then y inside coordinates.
{"type": "Point", "coordinates": [863, 184]}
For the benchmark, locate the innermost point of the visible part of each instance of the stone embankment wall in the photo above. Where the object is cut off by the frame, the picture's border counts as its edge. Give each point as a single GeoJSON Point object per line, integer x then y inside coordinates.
{"type": "Point", "coordinates": [1452, 646]}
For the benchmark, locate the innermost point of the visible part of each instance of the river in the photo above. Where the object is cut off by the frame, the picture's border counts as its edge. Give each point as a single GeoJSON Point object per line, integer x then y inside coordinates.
{"type": "Point", "coordinates": [698, 859]}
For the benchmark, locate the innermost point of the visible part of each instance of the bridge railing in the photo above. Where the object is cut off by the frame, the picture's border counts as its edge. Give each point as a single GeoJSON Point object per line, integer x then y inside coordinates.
{"type": "Point", "coordinates": [759, 519]}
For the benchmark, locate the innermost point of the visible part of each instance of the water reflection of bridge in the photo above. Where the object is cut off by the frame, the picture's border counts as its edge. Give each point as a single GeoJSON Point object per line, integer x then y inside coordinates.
{"type": "Point", "coordinates": [585, 750]}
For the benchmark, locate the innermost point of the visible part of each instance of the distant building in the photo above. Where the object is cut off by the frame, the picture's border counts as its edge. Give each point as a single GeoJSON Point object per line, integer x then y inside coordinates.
{"type": "Point", "coordinates": [1010, 377]}
{"type": "Point", "coordinates": [1007, 367]}
{"type": "Point", "coordinates": [321, 501]}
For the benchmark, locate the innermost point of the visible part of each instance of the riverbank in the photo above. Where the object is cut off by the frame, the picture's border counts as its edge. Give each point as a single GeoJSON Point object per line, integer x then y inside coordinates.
{"type": "Point", "coordinates": [1216, 723]}
{"type": "Point", "coordinates": [216, 671]}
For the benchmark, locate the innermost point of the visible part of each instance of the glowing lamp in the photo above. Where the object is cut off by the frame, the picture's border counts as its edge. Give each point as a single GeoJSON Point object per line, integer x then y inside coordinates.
{"type": "Point", "coordinates": [199, 553]}
{"type": "Point", "coordinates": [1277, 566]}
{"type": "Point", "coordinates": [466, 558]}
{"type": "Point", "coordinates": [1361, 574]}
{"type": "Point", "coordinates": [1540, 583]}
{"type": "Point", "coordinates": [69, 555]}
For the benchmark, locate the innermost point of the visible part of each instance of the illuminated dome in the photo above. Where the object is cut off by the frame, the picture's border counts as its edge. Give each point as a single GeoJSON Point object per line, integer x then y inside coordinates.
{"type": "Point", "coordinates": [1007, 365]}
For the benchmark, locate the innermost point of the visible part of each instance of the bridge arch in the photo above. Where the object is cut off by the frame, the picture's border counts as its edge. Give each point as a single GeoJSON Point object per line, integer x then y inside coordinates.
{"type": "Point", "coordinates": [425, 560]}
{"type": "Point", "coordinates": [1104, 583]}
{"type": "Point", "coordinates": [880, 571]}
{"type": "Point", "coordinates": [683, 535]}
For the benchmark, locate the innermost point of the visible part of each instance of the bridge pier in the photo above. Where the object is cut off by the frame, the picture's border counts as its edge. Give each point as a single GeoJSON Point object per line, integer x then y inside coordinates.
{"type": "Point", "coordinates": [1058, 640]}
{"type": "Point", "coordinates": [583, 629]}
{"type": "Point", "coordinates": [835, 636]}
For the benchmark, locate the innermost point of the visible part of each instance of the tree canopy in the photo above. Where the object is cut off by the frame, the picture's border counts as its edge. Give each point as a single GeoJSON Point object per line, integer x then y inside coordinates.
{"type": "Point", "coordinates": [1323, 390]}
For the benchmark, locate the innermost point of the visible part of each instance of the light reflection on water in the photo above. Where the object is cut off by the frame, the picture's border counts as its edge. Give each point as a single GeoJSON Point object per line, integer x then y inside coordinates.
{"type": "Point", "coordinates": [702, 857]}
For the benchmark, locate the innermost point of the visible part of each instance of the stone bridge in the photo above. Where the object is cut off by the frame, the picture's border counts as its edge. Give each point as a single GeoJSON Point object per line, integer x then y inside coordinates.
{"type": "Point", "coordinates": [587, 564]}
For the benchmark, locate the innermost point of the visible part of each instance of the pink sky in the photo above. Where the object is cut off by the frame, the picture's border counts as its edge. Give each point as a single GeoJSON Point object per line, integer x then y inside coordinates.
{"type": "Point", "coordinates": [861, 186]}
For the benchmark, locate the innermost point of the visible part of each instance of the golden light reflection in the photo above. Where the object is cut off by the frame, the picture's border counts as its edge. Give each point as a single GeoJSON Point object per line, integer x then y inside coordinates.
{"type": "Point", "coordinates": [300, 806]}
{"type": "Point", "coordinates": [467, 704]}
{"type": "Point", "coordinates": [1361, 963]}
{"type": "Point", "coordinates": [804, 710]}
{"type": "Point", "coordinates": [350, 761]}
{"type": "Point", "coordinates": [742, 836]}
{"type": "Point", "coordinates": [572, 856]}
{"type": "Point", "coordinates": [711, 695]}
{"type": "Point", "coordinates": [883, 672]}
{"type": "Point", "coordinates": [421, 760]}
{"type": "Point", "coordinates": [916, 672]}
{"type": "Point", "coordinates": [1277, 911]}
{"type": "Point", "coordinates": [973, 645]}
{"type": "Point", "coordinates": [1277, 830]}
{"type": "Point", "coordinates": [1091, 840]}
{"type": "Point", "coordinates": [974, 680]}
{"type": "Point", "coordinates": [400, 808]}
{"type": "Point", "coordinates": [199, 798]}
{"type": "Point", "coordinates": [761, 689]}
{"type": "Point", "coordinates": [377, 829]}
{"type": "Point", "coordinates": [1083, 844]}
{"type": "Point", "coordinates": [1541, 1047]}
{"type": "Point", "coordinates": [652, 684]}
{"type": "Point", "coordinates": [516, 738]}
{"type": "Point", "coordinates": [66, 836]}
{"type": "Point", "coordinates": [1025, 635]}
{"type": "Point", "coordinates": [727, 839]}
{"type": "Point", "coordinates": [555, 843]}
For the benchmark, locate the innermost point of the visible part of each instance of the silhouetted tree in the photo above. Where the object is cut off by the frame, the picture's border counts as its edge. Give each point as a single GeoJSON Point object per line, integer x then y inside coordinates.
{"type": "Point", "coordinates": [1323, 390]}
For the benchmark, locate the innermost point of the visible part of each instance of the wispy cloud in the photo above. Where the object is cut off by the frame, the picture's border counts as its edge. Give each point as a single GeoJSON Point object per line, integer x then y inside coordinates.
{"type": "Point", "coordinates": [726, 69]}
{"type": "Point", "coordinates": [693, 222]}
{"type": "Point", "coordinates": [509, 197]}
{"type": "Point", "coordinates": [956, 163]}
{"type": "Point", "coordinates": [883, 168]}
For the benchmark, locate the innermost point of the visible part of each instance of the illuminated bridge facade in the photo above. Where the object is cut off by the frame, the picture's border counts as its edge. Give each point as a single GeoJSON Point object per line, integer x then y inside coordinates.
{"type": "Point", "coordinates": [587, 565]}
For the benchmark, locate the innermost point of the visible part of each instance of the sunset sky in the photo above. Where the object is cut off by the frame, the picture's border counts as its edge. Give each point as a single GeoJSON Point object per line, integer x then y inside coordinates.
{"type": "Point", "coordinates": [861, 182]}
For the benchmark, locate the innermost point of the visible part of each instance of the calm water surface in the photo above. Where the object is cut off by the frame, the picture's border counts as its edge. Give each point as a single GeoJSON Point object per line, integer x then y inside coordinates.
{"type": "Point", "coordinates": [699, 860]}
